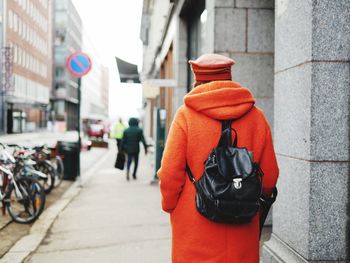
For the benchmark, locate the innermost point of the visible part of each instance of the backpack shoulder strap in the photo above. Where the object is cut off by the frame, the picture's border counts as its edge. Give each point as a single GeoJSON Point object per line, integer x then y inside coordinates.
{"type": "Point", "coordinates": [189, 173]}
{"type": "Point", "coordinates": [226, 134]}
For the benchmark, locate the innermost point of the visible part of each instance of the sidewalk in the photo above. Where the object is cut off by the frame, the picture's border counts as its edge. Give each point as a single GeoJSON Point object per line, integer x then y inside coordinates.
{"type": "Point", "coordinates": [11, 232]}
{"type": "Point", "coordinates": [111, 220]}
{"type": "Point", "coordinates": [37, 138]}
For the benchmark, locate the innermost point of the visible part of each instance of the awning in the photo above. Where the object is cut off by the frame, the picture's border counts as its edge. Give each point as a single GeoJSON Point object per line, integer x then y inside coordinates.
{"type": "Point", "coordinates": [128, 72]}
{"type": "Point", "coordinates": [151, 86]}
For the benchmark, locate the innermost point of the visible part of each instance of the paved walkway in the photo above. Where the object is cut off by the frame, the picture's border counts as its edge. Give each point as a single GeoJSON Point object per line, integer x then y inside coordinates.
{"type": "Point", "coordinates": [111, 220]}
{"type": "Point", "coordinates": [44, 137]}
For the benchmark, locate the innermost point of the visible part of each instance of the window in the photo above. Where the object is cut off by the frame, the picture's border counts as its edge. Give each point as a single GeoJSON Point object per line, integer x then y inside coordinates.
{"type": "Point", "coordinates": [23, 58]}
{"type": "Point", "coordinates": [19, 26]}
{"type": "Point", "coordinates": [27, 60]}
{"type": "Point", "coordinates": [28, 34]}
{"type": "Point", "coordinates": [59, 72]}
{"type": "Point", "coordinates": [28, 7]}
{"type": "Point", "coordinates": [62, 4]}
{"type": "Point", "coordinates": [196, 21]}
{"type": "Point", "coordinates": [14, 53]}
{"type": "Point", "coordinates": [10, 19]}
{"type": "Point", "coordinates": [31, 9]}
{"type": "Point", "coordinates": [15, 22]}
{"type": "Point", "coordinates": [59, 107]}
{"type": "Point", "coordinates": [24, 30]}
{"type": "Point", "coordinates": [202, 33]}
{"type": "Point", "coordinates": [19, 56]}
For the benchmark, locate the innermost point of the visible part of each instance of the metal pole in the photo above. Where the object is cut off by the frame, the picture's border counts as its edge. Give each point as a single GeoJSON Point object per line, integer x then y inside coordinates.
{"type": "Point", "coordinates": [2, 109]}
{"type": "Point", "coordinates": [78, 130]}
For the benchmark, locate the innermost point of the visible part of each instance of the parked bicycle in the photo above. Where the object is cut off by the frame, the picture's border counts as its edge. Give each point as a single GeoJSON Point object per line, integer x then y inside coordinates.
{"type": "Point", "coordinates": [23, 197]}
{"type": "Point", "coordinates": [30, 164]}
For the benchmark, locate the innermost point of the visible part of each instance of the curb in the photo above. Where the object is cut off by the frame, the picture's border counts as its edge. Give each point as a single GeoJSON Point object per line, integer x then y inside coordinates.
{"type": "Point", "coordinates": [29, 243]}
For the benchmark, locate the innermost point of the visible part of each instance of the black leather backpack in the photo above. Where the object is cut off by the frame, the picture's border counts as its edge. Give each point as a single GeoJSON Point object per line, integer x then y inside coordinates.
{"type": "Point", "coordinates": [231, 185]}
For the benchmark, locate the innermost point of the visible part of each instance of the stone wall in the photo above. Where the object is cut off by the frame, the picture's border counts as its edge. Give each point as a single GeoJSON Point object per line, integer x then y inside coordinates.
{"type": "Point", "coordinates": [312, 102]}
{"type": "Point", "coordinates": [180, 62]}
{"type": "Point", "coordinates": [244, 31]}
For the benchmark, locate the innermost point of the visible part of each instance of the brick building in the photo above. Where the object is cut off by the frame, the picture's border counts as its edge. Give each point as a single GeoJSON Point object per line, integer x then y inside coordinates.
{"type": "Point", "coordinates": [27, 34]}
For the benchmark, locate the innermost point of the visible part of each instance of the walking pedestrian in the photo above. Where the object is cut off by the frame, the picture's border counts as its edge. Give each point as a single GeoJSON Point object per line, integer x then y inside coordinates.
{"type": "Point", "coordinates": [132, 137]}
{"type": "Point", "coordinates": [117, 132]}
{"type": "Point", "coordinates": [194, 132]}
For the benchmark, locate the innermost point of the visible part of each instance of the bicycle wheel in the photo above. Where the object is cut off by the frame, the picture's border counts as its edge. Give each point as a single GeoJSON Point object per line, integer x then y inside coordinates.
{"type": "Point", "coordinates": [26, 202]}
{"type": "Point", "coordinates": [46, 168]}
{"type": "Point", "coordinates": [59, 170]}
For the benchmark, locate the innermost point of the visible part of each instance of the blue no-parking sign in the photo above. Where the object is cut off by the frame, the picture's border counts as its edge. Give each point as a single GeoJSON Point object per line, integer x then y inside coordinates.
{"type": "Point", "coordinates": [78, 64]}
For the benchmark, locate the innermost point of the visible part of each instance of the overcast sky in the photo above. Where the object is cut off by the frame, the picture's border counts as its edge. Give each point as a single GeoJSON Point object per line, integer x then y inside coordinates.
{"type": "Point", "coordinates": [114, 28]}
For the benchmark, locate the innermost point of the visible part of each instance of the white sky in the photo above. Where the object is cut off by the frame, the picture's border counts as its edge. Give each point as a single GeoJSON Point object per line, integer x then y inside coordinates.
{"type": "Point", "coordinates": [114, 28]}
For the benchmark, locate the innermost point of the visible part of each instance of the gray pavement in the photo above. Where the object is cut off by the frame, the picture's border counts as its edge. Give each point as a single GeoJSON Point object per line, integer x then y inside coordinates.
{"type": "Point", "coordinates": [111, 220]}
{"type": "Point", "coordinates": [37, 138]}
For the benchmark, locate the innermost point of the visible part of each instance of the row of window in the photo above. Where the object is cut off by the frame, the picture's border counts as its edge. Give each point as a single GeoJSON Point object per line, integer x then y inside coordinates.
{"type": "Point", "coordinates": [27, 33]}
{"type": "Point", "coordinates": [75, 37]}
{"type": "Point", "coordinates": [28, 61]}
{"type": "Point", "coordinates": [28, 89]}
{"type": "Point", "coordinates": [25, 3]}
{"type": "Point", "coordinates": [34, 13]}
{"type": "Point", "coordinates": [73, 31]}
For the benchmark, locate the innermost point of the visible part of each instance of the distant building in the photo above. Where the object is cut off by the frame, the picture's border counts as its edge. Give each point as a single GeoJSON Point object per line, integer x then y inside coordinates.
{"type": "Point", "coordinates": [94, 86]}
{"type": "Point", "coordinates": [27, 59]}
{"type": "Point", "coordinates": [105, 89]}
{"type": "Point", "coordinates": [68, 38]}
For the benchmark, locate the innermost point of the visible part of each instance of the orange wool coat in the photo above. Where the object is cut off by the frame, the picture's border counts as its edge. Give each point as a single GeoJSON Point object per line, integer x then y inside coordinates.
{"type": "Point", "coordinates": [194, 132]}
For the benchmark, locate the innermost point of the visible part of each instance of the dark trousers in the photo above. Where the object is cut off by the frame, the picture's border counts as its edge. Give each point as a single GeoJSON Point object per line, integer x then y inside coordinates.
{"type": "Point", "coordinates": [131, 157]}
{"type": "Point", "coordinates": [119, 144]}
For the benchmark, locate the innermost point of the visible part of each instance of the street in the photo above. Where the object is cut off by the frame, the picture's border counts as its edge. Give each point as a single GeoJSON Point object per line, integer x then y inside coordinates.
{"type": "Point", "coordinates": [111, 220]}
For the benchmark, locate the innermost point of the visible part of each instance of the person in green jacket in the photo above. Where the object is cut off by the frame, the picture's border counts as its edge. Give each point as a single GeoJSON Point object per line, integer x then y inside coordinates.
{"type": "Point", "coordinates": [117, 132]}
{"type": "Point", "coordinates": [132, 137]}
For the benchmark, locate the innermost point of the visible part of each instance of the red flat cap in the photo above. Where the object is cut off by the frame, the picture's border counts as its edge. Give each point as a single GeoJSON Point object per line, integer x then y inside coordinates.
{"type": "Point", "coordinates": [209, 67]}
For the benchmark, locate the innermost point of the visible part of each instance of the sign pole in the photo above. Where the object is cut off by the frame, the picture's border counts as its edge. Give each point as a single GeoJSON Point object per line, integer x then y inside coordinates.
{"type": "Point", "coordinates": [78, 130]}
{"type": "Point", "coordinates": [78, 64]}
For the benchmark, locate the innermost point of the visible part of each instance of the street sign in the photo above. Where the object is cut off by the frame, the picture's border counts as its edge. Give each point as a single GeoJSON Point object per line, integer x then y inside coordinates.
{"type": "Point", "coordinates": [166, 83]}
{"type": "Point", "coordinates": [78, 64]}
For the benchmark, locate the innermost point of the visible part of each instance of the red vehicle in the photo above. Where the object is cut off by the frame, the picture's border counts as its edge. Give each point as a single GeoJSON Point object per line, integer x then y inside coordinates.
{"type": "Point", "coordinates": [96, 130]}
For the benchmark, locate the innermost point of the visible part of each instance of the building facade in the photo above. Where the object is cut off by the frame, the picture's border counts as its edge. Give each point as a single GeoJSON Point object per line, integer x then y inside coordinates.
{"type": "Point", "coordinates": [94, 87]}
{"type": "Point", "coordinates": [294, 56]}
{"type": "Point", "coordinates": [67, 39]}
{"type": "Point", "coordinates": [26, 64]}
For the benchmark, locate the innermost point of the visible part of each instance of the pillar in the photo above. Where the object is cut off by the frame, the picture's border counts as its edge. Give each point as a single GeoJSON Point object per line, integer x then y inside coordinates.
{"type": "Point", "coordinates": [312, 104]}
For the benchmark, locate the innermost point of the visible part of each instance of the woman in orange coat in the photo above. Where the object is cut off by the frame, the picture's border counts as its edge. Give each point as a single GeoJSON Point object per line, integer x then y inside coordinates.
{"type": "Point", "coordinates": [195, 131]}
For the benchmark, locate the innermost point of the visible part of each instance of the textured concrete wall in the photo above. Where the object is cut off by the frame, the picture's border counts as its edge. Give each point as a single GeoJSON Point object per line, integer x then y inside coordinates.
{"type": "Point", "coordinates": [180, 63]}
{"type": "Point", "coordinates": [244, 31]}
{"type": "Point", "coordinates": [312, 104]}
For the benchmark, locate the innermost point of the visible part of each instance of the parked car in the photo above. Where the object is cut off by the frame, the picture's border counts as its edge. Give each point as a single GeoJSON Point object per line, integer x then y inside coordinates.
{"type": "Point", "coordinates": [96, 130]}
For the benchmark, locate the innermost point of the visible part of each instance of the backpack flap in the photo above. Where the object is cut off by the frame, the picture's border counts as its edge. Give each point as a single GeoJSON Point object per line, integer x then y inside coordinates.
{"type": "Point", "coordinates": [234, 162]}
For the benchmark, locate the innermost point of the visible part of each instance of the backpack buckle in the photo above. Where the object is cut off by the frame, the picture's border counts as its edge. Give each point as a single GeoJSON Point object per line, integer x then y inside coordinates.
{"type": "Point", "coordinates": [237, 183]}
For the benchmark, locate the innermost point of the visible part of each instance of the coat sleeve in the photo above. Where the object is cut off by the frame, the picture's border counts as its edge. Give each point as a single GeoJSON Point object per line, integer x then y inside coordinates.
{"type": "Point", "coordinates": [268, 164]}
{"type": "Point", "coordinates": [172, 171]}
{"type": "Point", "coordinates": [143, 141]}
{"type": "Point", "coordinates": [124, 141]}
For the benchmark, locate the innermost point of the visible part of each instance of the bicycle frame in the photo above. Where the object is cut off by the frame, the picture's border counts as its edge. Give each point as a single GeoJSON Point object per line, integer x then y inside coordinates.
{"type": "Point", "coordinates": [11, 180]}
